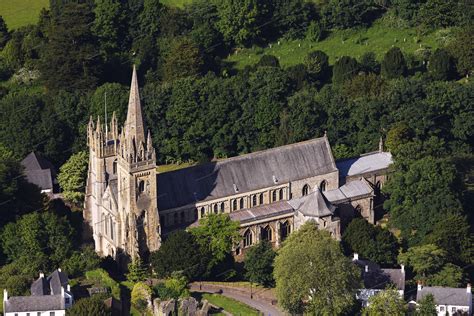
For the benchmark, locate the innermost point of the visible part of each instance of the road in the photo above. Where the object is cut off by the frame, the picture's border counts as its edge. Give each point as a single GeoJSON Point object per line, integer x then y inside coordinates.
{"type": "Point", "coordinates": [262, 305]}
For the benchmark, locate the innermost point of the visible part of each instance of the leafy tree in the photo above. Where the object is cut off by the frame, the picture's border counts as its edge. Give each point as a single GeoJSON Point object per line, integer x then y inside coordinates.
{"type": "Point", "coordinates": [462, 49]}
{"type": "Point", "coordinates": [4, 34]}
{"type": "Point", "coordinates": [177, 286]}
{"type": "Point", "coordinates": [268, 61]}
{"type": "Point", "coordinates": [397, 135]}
{"type": "Point", "coordinates": [141, 296]}
{"type": "Point", "coordinates": [117, 100]}
{"type": "Point", "coordinates": [290, 18]}
{"type": "Point", "coordinates": [310, 267]}
{"type": "Point", "coordinates": [179, 252]}
{"type": "Point", "coordinates": [109, 25]}
{"type": "Point", "coordinates": [442, 14]}
{"type": "Point", "coordinates": [315, 32]}
{"type": "Point", "coordinates": [344, 69]}
{"type": "Point", "coordinates": [365, 86]}
{"type": "Point", "coordinates": [386, 302]}
{"type": "Point", "coordinates": [89, 306]}
{"type": "Point", "coordinates": [317, 64]}
{"type": "Point", "coordinates": [426, 306]}
{"type": "Point", "coordinates": [450, 275]}
{"type": "Point", "coordinates": [203, 15]}
{"type": "Point", "coordinates": [72, 176]}
{"type": "Point", "coordinates": [441, 65]}
{"type": "Point", "coordinates": [136, 271]}
{"type": "Point", "coordinates": [343, 14]}
{"type": "Point", "coordinates": [38, 234]}
{"type": "Point", "coordinates": [183, 59]}
{"type": "Point", "coordinates": [370, 242]}
{"type": "Point", "coordinates": [17, 276]}
{"type": "Point", "coordinates": [424, 259]}
{"type": "Point", "coordinates": [368, 62]}
{"type": "Point", "coordinates": [216, 235]}
{"type": "Point", "coordinates": [81, 261]}
{"type": "Point", "coordinates": [258, 264]}
{"type": "Point", "coordinates": [393, 64]}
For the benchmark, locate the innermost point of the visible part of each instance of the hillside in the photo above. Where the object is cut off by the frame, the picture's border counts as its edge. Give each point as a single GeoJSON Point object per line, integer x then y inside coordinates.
{"type": "Point", "coordinates": [21, 12]}
{"type": "Point", "coordinates": [377, 39]}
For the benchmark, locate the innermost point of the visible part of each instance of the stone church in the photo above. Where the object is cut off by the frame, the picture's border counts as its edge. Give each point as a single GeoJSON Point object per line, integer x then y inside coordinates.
{"type": "Point", "coordinates": [130, 207]}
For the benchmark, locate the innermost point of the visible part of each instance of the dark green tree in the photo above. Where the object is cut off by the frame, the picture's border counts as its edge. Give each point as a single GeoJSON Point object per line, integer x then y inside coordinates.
{"type": "Point", "coordinates": [441, 65]}
{"type": "Point", "coordinates": [81, 261]}
{"type": "Point", "coordinates": [441, 14]}
{"type": "Point", "coordinates": [393, 64]}
{"type": "Point", "coordinates": [109, 26]}
{"type": "Point", "coordinates": [426, 306]}
{"type": "Point", "coordinates": [317, 65]}
{"type": "Point", "coordinates": [136, 271]}
{"type": "Point", "coordinates": [258, 264]}
{"type": "Point", "coordinates": [386, 302]}
{"type": "Point", "coordinates": [425, 260]}
{"type": "Point", "coordinates": [268, 61]}
{"type": "Point", "coordinates": [4, 33]}
{"type": "Point", "coordinates": [449, 275]}
{"type": "Point", "coordinates": [93, 305]}
{"type": "Point", "coordinates": [462, 49]}
{"type": "Point", "coordinates": [369, 63]}
{"type": "Point", "coordinates": [344, 69]}
{"type": "Point", "coordinates": [290, 18]}
{"type": "Point", "coordinates": [178, 253]}
{"type": "Point", "coordinates": [184, 59]}
{"type": "Point", "coordinates": [315, 32]}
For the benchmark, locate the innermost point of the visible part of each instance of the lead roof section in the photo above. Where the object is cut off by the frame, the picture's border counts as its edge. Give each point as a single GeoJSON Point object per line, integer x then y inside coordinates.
{"type": "Point", "coordinates": [245, 173]}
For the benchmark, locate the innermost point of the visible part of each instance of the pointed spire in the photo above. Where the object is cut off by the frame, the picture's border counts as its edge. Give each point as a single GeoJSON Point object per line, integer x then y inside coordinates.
{"type": "Point", "coordinates": [134, 123]}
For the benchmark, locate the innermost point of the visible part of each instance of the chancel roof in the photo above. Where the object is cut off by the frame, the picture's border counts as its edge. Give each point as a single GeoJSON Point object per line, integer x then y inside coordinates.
{"type": "Point", "coordinates": [351, 189]}
{"type": "Point", "coordinates": [245, 173]}
{"type": "Point", "coordinates": [364, 164]}
{"type": "Point", "coordinates": [262, 212]}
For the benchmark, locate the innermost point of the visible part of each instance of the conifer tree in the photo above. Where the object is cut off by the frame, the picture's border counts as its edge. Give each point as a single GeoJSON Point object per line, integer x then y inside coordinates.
{"type": "Point", "coordinates": [394, 64]}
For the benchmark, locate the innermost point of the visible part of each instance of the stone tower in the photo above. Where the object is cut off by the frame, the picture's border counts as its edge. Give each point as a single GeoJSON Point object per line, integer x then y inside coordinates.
{"type": "Point", "coordinates": [137, 180]}
{"type": "Point", "coordinates": [121, 205]}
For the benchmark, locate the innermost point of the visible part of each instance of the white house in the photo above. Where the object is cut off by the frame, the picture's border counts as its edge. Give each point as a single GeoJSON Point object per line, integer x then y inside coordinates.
{"type": "Point", "coordinates": [50, 296]}
{"type": "Point", "coordinates": [448, 300]}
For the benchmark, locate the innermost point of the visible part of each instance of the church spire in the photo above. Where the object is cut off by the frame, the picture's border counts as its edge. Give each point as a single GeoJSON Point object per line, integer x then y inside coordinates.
{"type": "Point", "coordinates": [134, 124]}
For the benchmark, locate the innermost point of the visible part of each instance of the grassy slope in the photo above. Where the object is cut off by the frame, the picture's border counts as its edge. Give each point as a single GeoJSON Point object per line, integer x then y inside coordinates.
{"type": "Point", "coordinates": [174, 3]}
{"type": "Point", "coordinates": [21, 12]}
{"type": "Point", "coordinates": [230, 305]}
{"type": "Point", "coordinates": [354, 43]}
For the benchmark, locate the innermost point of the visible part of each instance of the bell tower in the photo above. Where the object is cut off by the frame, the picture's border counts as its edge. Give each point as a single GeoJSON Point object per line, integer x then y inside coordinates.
{"type": "Point", "coordinates": [136, 174]}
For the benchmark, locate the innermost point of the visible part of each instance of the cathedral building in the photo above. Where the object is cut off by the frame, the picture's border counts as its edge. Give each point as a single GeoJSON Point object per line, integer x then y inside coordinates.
{"type": "Point", "coordinates": [130, 207]}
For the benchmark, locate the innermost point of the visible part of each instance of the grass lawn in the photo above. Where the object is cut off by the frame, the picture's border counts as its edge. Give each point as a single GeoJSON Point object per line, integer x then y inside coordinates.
{"type": "Point", "coordinates": [18, 13]}
{"type": "Point", "coordinates": [353, 43]}
{"type": "Point", "coordinates": [172, 167]}
{"type": "Point", "coordinates": [174, 3]}
{"type": "Point", "coordinates": [230, 305]}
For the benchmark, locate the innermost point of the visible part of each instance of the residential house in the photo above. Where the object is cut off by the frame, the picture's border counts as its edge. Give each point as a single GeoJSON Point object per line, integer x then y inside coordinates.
{"type": "Point", "coordinates": [448, 300]}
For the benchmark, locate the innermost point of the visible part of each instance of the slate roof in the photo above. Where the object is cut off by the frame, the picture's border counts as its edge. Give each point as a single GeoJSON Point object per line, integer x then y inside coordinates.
{"type": "Point", "coordinates": [262, 212]}
{"type": "Point", "coordinates": [364, 164]}
{"type": "Point", "coordinates": [314, 205]}
{"type": "Point", "coordinates": [348, 191]}
{"type": "Point", "coordinates": [245, 173]}
{"type": "Point", "coordinates": [40, 287]}
{"type": "Point", "coordinates": [378, 278]}
{"type": "Point", "coordinates": [17, 304]}
{"type": "Point", "coordinates": [50, 285]}
{"type": "Point", "coordinates": [39, 171]}
{"type": "Point", "coordinates": [446, 295]}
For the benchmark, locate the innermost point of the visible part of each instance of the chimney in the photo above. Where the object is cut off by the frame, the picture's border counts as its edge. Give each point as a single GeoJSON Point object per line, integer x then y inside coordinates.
{"type": "Point", "coordinates": [366, 268]}
{"type": "Point", "coordinates": [41, 275]}
{"type": "Point", "coordinates": [468, 288]}
{"type": "Point", "coordinates": [356, 257]}
{"type": "Point", "coordinates": [403, 268]}
{"type": "Point", "coordinates": [59, 269]}
{"type": "Point", "coordinates": [5, 296]}
{"type": "Point", "coordinates": [420, 286]}
{"type": "Point", "coordinates": [62, 291]}
{"type": "Point", "coordinates": [68, 288]}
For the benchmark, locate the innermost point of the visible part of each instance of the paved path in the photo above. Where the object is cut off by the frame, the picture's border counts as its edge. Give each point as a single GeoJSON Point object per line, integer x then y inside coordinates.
{"type": "Point", "coordinates": [262, 305]}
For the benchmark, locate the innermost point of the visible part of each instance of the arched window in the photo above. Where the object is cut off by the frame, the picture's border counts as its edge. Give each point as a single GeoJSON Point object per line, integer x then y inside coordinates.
{"type": "Point", "coordinates": [280, 193]}
{"type": "Point", "coordinates": [203, 212]}
{"type": "Point", "coordinates": [266, 233]}
{"type": "Point", "coordinates": [284, 230]}
{"type": "Point", "coordinates": [106, 224]}
{"type": "Point", "coordinates": [322, 186]}
{"type": "Point", "coordinates": [111, 229]}
{"type": "Point", "coordinates": [215, 209]}
{"type": "Point", "coordinates": [274, 196]}
{"type": "Point", "coordinates": [241, 203]}
{"type": "Point", "coordinates": [114, 167]}
{"type": "Point", "coordinates": [141, 186]}
{"type": "Point", "coordinates": [261, 199]}
{"type": "Point", "coordinates": [305, 190]}
{"type": "Point", "coordinates": [234, 205]}
{"type": "Point", "coordinates": [222, 207]}
{"type": "Point", "coordinates": [247, 238]}
{"type": "Point", "coordinates": [254, 200]}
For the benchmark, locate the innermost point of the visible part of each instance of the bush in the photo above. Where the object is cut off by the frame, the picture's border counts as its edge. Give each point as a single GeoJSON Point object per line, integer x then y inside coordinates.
{"type": "Point", "coordinates": [102, 278]}
{"type": "Point", "coordinates": [89, 306]}
{"type": "Point", "coordinates": [393, 64]}
{"type": "Point", "coordinates": [268, 61]}
{"type": "Point", "coordinates": [344, 69]}
{"type": "Point", "coordinates": [315, 32]}
{"type": "Point", "coordinates": [441, 66]}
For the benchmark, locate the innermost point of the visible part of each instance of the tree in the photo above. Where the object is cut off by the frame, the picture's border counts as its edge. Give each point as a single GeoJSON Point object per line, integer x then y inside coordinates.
{"type": "Point", "coordinates": [109, 25]}
{"type": "Point", "coordinates": [397, 135]}
{"type": "Point", "coordinates": [315, 32]}
{"type": "Point", "coordinates": [81, 261]}
{"type": "Point", "coordinates": [4, 34]}
{"type": "Point", "coordinates": [258, 264]}
{"type": "Point", "coordinates": [442, 14]}
{"type": "Point", "coordinates": [393, 64]}
{"type": "Point", "coordinates": [72, 176]}
{"type": "Point", "coordinates": [344, 69]}
{"type": "Point", "coordinates": [179, 252]}
{"type": "Point", "coordinates": [343, 14]}
{"type": "Point", "coordinates": [386, 302]}
{"type": "Point", "coordinates": [216, 235]}
{"type": "Point", "coordinates": [424, 260]}
{"type": "Point", "coordinates": [441, 65]}
{"type": "Point", "coordinates": [450, 275]}
{"type": "Point", "coordinates": [426, 306]}
{"type": "Point", "coordinates": [89, 306]}
{"type": "Point", "coordinates": [184, 59]}
{"type": "Point", "coordinates": [268, 61]}
{"type": "Point", "coordinates": [136, 271]}
{"type": "Point", "coordinates": [462, 49]}
{"type": "Point", "coordinates": [370, 242]}
{"type": "Point", "coordinates": [116, 96]}
{"type": "Point", "coordinates": [369, 63]}
{"type": "Point", "coordinates": [310, 267]}
{"type": "Point", "coordinates": [317, 65]}
{"type": "Point", "coordinates": [141, 296]}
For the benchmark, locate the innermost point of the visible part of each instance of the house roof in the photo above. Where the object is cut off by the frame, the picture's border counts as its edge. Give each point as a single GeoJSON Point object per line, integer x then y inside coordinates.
{"type": "Point", "coordinates": [262, 211]}
{"type": "Point", "coordinates": [446, 295]}
{"type": "Point", "coordinates": [34, 303]}
{"type": "Point", "coordinates": [375, 277]}
{"type": "Point", "coordinates": [40, 287]}
{"type": "Point", "coordinates": [35, 161]}
{"type": "Point", "coordinates": [38, 171]}
{"type": "Point", "coordinates": [364, 164]}
{"type": "Point", "coordinates": [350, 190]}
{"type": "Point", "coordinates": [50, 285]}
{"type": "Point", "coordinates": [245, 173]}
{"type": "Point", "coordinates": [313, 205]}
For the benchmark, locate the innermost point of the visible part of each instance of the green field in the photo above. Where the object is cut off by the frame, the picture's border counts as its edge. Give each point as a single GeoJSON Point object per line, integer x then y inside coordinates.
{"type": "Point", "coordinates": [21, 12]}
{"type": "Point", "coordinates": [230, 305]}
{"type": "Point", "coordinates": [353, 43]}
{"type": "Point", "coordinates": [176, 3]}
